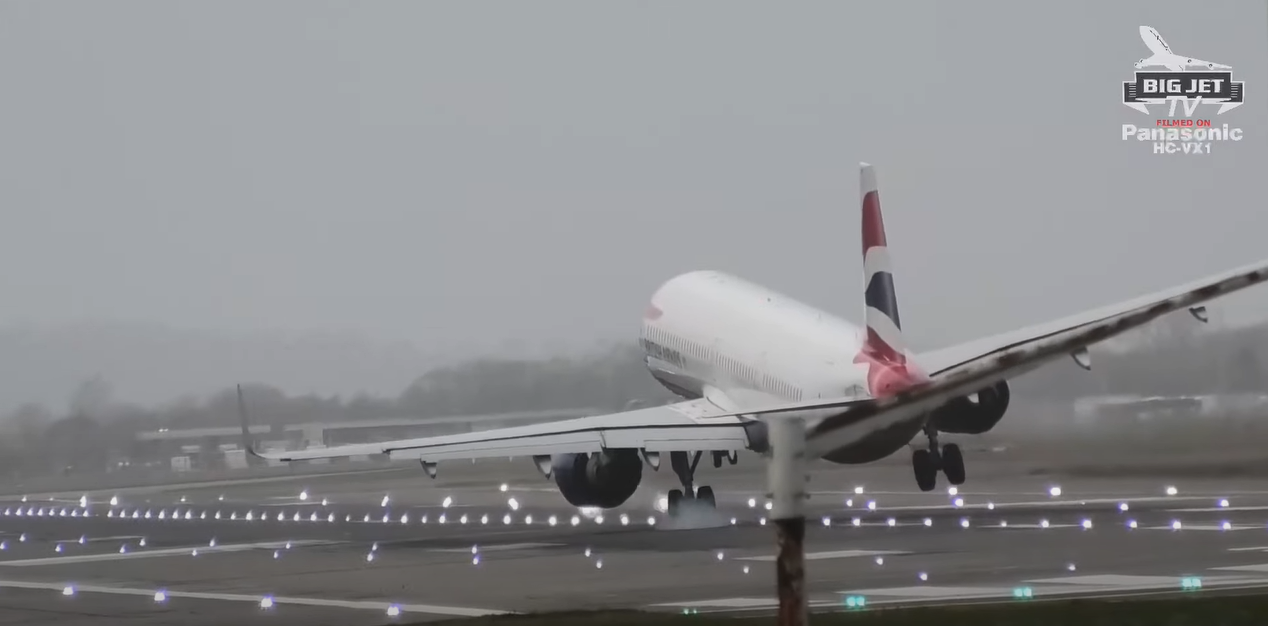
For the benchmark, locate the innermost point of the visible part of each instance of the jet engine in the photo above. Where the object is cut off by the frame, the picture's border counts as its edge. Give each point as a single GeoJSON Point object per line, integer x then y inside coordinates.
{"type": "Point", "coordinates": [603, 479]}
{"type": "Point", "coordinates": [973, 416]}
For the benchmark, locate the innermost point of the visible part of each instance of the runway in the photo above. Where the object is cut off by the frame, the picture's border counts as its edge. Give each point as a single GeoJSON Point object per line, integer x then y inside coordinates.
{"type": "Point", "coordinates": [328, 549]}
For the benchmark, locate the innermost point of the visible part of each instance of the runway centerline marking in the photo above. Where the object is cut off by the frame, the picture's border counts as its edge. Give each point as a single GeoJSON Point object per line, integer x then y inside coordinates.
{"type": "Point", "coordinates": [834, 554]}
{"type": "Point", "coordinates": [100, 539]}
{"type": "Point", "coordinates": [143, 553]}
{"type": "Point", "coordinates": [1110, 580]}
{"type": "Point", "coordinates": [277, 600]}
{"type": "Point", "coordinates": [932, 591]}
{"type": "Point", "coordinates": [1216, 509]}
{"type": "Point", "coordinates": [1033, 503]}
{"type": "Point", "coordinates": [1262, 567]}
{"type": "Point", "coordinates": [1207, 527]}
{"type": "Point", "coordinates": [499, 547]}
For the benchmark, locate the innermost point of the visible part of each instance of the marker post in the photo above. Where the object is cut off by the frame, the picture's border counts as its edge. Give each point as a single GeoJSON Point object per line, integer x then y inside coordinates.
{"type": "Point", "coordinates": [787, 477]}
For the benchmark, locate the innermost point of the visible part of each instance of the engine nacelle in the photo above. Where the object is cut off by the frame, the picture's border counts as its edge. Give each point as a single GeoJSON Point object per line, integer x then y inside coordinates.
{"type": "Point", "coordinates": [603, 479]}
{"type": "Point", "coordinates": [964, 416]}
{"type": "Point", "coordinates": [876, 445]}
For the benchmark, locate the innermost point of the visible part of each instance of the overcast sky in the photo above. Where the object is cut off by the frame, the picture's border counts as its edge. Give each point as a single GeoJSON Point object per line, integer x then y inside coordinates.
{"type": "Point", "coordinates": [527, 173]}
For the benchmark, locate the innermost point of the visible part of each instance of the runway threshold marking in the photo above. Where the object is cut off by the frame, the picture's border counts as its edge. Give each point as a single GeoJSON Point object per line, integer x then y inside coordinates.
{"type": "Point", "coordinates": [834, 554]}
{"type": "Point", "coordinates": [142, 553]}
{"type": "Point", "coordinates": [456, 611]}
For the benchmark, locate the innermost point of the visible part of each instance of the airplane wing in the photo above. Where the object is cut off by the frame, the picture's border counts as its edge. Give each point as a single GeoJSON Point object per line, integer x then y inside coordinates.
{"type": "Point", "coordinates": [684, 426]}
{"type": "Point", "coordinates": [1206, 64]}
{"type": "Point", "coordinates": [940, 361]}
{"type": "Point", "coordinates": [966, 368]}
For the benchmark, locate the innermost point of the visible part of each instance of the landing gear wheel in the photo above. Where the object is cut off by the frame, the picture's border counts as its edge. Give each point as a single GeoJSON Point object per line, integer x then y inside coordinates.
{"type": "Point", "coordinates": [675, 501]}
{"type": "Point", "coordinates": [704, 495]}
{"type": "Point", "coordinates": [953, 464]}
{"type": "Point", "coordinates": [684, 466]}
{"type": "Point", "coordinates": [926, 469]}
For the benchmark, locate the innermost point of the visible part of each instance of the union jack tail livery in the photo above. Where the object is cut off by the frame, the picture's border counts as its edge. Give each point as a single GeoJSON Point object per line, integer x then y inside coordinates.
{"type": "Point", "coordinates": [884, 328]}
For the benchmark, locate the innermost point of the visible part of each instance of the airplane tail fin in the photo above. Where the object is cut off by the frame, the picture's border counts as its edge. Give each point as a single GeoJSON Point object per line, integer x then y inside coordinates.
{"type": "Point", "coordinates": [884, 329]}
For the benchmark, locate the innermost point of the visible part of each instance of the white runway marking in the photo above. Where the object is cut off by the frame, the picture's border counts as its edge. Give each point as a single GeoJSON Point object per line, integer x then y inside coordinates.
{"type": "Point", "coordinates": [499, 548]}
{"type": "Point", "coordinates": [1263, 567]}
{"type": "Point", "coordinates": [1027, 526]}
{"type": "Point", "coordinates": [932, 591]}
{"type": "Point", "coordinates": [1036, 503]}
{"type": "Point", "coordinates": [142, 553]}
{"type": "Point", "coordinates": [278, 600]}
{"type": "Point", "coordinates": [100, 539]}
{"type": "Point", "coordinates": [1111, 580]}
{"type": "Point", "coordinates": [1216, 509]}
{"type": "Point", "coordinates": [1220, 527]}
{"type": "Point", "coordinates": [835, 554]}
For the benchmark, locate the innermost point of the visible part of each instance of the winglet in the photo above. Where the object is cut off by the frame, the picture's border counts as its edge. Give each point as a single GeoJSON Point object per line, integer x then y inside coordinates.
{"type": "Point", "coordinates": [246, 427]}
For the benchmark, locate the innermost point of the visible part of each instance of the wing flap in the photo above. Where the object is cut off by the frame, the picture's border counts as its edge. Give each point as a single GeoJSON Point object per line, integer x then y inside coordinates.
{"type": "Point", "coordinates": [692, 425]}
{"type": "Point", "coordinates": [654, 439]}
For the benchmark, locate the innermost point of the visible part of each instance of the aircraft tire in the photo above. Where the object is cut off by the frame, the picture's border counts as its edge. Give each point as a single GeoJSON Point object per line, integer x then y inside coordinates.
{"type": "Point", "coordinates": [704, 495]}
{"type": "Point", "coordinates": [675, 501]}
{"type": "Point", "coordinates": [922, 463]}
{"type": "Point", "coordinates": [953, 464]}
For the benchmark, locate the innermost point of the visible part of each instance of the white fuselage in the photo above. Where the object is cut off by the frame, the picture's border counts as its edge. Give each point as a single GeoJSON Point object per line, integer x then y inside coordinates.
{"type": "Point", "coordinates": [711, 332]}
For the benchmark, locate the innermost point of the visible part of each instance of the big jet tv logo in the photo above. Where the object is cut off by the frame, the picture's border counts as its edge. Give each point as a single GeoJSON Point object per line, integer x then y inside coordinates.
{"type": "Point", "coordinates": [1183, 130]}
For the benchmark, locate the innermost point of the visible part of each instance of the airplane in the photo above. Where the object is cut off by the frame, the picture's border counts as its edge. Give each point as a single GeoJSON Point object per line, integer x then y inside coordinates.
{"type": "Point", "coordinates": [1162, 55]}
{"type": "Point", "coordinates": [740, 355]}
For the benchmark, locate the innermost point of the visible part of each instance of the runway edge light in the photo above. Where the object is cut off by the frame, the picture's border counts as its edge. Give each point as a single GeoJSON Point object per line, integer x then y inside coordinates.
{"type": "Point", "coordinates": [1190, 583]}
{"type": "Point", "coordinates": [855, 602]}
{"type": "Point", "coordinates": [1023, 593]}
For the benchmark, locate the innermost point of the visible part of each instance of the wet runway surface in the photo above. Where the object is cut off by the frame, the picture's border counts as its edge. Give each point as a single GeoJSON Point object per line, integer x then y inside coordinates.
{"type": "Point", "coordinates": [383, 546]}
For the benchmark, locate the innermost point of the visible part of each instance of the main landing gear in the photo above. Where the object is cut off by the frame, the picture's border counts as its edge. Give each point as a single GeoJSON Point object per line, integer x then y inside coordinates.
{"type": "Point", "coordinates": [684, 466]}
{"type": "Point", "coordinates": [926, 463]}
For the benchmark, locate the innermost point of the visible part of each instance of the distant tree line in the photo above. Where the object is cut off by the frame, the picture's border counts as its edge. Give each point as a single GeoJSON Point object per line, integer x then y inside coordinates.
{"type": "Point", "coordinates": [33, 436]}
{"type": "Point", "coordinates": [1175, 361]}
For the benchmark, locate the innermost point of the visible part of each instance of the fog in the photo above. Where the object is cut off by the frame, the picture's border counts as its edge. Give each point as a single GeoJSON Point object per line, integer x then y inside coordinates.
{"type": "Point", "coordinates": [336, 198]}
